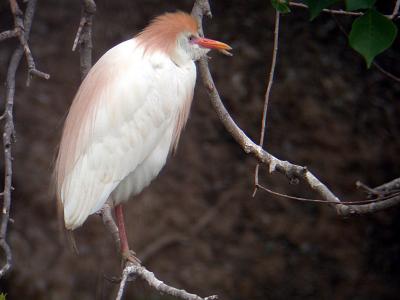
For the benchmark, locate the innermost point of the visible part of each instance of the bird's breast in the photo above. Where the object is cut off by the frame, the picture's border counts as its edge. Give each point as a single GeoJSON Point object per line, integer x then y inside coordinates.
{"type": "Point", "coordinates": [169, 103]}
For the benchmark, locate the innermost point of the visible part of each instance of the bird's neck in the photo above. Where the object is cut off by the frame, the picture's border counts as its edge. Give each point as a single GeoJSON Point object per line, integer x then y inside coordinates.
{"type": "Point", "coordinates": [180, 57]}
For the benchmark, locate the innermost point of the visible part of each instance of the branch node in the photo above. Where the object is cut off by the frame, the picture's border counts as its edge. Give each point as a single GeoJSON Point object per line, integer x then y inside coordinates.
{"type": "Point", "coordinates": [304, 170]}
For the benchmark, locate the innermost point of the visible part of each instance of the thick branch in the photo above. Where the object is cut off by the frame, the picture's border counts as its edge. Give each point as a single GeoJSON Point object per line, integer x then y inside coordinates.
{"type": "Point", "coordinates": [158, 285]}
{"type": "Point", "coordinates": [292, 171]}
{"type": "Point", "coordinates": [132, 270]}
{"type": "Point", "coordinates": [346, 210]}
{"type": "Point", "coordinates": [84, 36]}
{"type": "Point", "coordinates": [390, 186]}
{"type": "Point", "coordinates": [8, 34]}
{"type": "Point", "coordinates": [8, 133]}
{"type": "Point", "coordinates": [389, 190]}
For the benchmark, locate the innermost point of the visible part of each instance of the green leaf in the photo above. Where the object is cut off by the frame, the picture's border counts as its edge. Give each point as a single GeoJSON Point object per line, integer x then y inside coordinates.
{"type": "Point", "coordinates": [316, 6]}
{"type": "Point", "coordinates": [281, 5]}
{"type": "Point", "coordinates": [3, 296]}
{"type": "Point", "coordinates": [359, 4]}
{"type": "Point", "coordinates": [372, 34]}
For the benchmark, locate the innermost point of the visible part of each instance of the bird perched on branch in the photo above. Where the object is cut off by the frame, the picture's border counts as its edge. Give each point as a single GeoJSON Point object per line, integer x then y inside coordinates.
{"type": "Point", "coordinates": [126, 117]}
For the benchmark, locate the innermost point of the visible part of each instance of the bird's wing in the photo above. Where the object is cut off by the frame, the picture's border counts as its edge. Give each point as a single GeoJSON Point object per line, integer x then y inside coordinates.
{"type": "Point", "coordinates": [122, 109]}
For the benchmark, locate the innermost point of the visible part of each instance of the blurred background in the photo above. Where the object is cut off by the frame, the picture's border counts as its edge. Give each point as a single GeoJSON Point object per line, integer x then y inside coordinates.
{"type": "Point", "coordinates": [327, 112]}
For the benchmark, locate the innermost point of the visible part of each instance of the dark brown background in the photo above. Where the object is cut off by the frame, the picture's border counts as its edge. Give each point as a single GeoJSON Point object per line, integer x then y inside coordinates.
{"type": "Point", "coordinates": [327, 112]}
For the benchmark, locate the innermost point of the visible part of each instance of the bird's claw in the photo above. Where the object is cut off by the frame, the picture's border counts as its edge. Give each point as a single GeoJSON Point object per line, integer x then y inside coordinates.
{"type": "Point", "coordinates": [130, 256]}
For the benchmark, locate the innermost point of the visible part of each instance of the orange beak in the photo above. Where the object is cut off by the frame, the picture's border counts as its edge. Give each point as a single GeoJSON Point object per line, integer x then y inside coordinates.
{"type": "Point", "coordinates": [212, 44]}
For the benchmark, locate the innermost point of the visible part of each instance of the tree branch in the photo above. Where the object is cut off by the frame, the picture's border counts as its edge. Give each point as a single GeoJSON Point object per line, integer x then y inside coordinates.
{"type": "Point", "coordinates": [268, 93]}
{"type": "Point", "coordinates": [19, 28]}
{"type": "Point", "coordinates": [347, 13]}
{"type": "Point", "coordinates": [390, 186]}
{"type": "Point", "coordinates": [158, 285]}
{"type": "Point", "coordinates": [292, 171]}
{"type": "Point", "coordinates": [84, 36]}
{"type": "Point", "coordinates": [8, 132]}
{"type": "Point", "coordinates": [395, 10]}
{"type": "Point", "coordinates": [332, 11]}
{"type": "Point", "coordinates": [384, 72]}
{"type": "Point", "coordinates": [374, 63]}
{"type": "Point", "coordinates": [8, 34]}
{"type": "Point", "coordinates": [132, 270]}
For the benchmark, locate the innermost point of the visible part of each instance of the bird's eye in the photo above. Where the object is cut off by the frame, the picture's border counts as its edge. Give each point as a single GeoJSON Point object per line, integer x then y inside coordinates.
{"type": "Point", "coordinates": [191, 38]}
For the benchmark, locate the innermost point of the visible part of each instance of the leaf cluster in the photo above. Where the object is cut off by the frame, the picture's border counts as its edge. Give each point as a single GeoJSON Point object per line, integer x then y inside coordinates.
{"type": "Point", "coordinates": [371, 33]}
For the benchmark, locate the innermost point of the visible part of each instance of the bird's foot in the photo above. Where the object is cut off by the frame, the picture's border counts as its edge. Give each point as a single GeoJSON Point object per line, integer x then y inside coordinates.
{"type": "Point", "coordinates": [130, 256]}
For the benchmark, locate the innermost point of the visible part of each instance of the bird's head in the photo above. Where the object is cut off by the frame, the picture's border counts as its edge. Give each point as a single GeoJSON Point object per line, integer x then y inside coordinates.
{"type": "Point", "coordinates": [177, 35]}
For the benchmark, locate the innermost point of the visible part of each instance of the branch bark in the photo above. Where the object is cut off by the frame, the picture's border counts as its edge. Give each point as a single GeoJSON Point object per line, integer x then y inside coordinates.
{"type": "Point", "coordinates": [133, 271]}
{"type": "Point", "coordinates": [23, 35]}
{"type": "Point", "coordinates": [158, 285]}
{"type": "Point", "coordinates": [8, 133]}
{"type": "Point", "coordinates": [8, 34]}
{"type": "Point", "coordinates": [390, 186]}
{"type": "Point", "coordinates": [395, 10]}
{"type": "Point", "coordinates": [292, 171]}
{"type": "Point", "coordinates": [83, 36]}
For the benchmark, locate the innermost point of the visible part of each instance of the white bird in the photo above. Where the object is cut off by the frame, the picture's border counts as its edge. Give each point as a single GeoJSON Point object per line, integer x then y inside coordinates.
{"type": "Point", "coordinates": [127, 117]}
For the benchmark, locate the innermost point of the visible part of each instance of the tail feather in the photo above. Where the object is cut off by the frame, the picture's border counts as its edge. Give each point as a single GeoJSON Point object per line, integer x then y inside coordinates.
{"type": "Point", "coordinates": [71, 241]}
{"type": "Point", "coordinates": [68, 234]}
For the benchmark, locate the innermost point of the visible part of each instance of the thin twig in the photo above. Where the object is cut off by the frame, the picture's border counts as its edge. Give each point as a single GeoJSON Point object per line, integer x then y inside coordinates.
{"type": "Point", "coordinates": [8, 135]}
{"type": "Point", "coordinates": [78, 33]}
{"type": "Point", "coordinates": [375, 64]}
{"type": "Point", "coordinates": [370, 190]}
{"type": "Point", "coordinates": [352, 203]}
{"type": "Point", "coordinates": [292, 171]}
{"type": "Point", "coordinates": [268, 93]}
{"type": "Point", "coordinates": [332, 11]}
{"type": "Point", "coordinates": [23, 39]}
{"type": "Point", "coordinates": [384, 72]}
{"type": "Point", "coordinates": [344, 12]}
{"type": "Point", "coordinates": [83, 36]}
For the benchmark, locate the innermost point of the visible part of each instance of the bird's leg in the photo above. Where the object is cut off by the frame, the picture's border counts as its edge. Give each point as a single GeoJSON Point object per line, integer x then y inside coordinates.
{"type": "Point", "coordinates": [127, 254]}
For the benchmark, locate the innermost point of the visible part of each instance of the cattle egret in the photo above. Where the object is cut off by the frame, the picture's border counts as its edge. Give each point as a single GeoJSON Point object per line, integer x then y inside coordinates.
{"type": "Point", "coordinates": [127, 117]}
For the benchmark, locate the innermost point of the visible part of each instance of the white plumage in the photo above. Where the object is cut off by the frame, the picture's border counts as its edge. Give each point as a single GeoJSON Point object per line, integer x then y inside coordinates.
{"type": "Point", "coordinates": [126, 141]}
{"type": "Point", "coordinates": [127, 116]}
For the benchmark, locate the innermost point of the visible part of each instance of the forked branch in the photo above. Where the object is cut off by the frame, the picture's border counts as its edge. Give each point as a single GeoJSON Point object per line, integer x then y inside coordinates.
{"type": "Point", "coordinates": [132, 271]}
{"type": "Point", "coordinates": [20, 31]}
{"type": "Point", "coordinates": [292, 171]}
{"type": "Point", "coordinates": [24, 22]}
